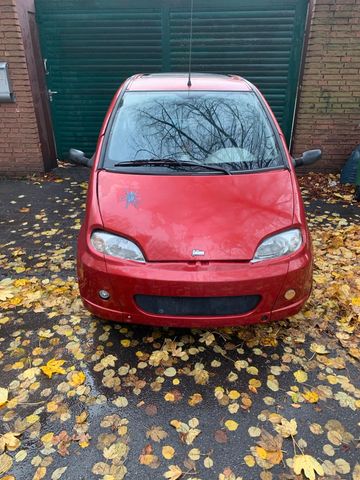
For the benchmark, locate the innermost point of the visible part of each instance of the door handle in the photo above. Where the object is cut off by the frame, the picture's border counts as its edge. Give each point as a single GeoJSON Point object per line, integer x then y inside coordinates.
{"type": "Point", "coordinates": [51, 93]}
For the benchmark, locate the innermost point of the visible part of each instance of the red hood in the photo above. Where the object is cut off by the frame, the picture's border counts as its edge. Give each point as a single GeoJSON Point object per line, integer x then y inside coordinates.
{"type": "Point", "coordinates": [169, 216]}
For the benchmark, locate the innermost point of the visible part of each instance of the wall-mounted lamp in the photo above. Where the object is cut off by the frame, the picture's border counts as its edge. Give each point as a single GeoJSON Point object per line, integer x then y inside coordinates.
{"type": "Point", "coordinates": [6, 93]}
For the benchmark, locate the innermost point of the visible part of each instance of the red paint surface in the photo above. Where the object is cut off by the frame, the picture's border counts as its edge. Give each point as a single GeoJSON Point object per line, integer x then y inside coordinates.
{"type": "Point", "coordinates": [198, 82]}
{"type": "Point", "coordinates": [225, 216]}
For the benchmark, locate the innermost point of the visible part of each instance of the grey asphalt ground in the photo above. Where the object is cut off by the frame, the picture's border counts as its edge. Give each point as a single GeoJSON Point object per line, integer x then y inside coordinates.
{"type": "Point", "coordinates": [30, 207]}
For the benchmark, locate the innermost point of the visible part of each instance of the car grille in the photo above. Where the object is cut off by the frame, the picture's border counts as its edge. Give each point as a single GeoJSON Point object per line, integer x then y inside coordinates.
{"type": "Point", "coordinates": [197, 306]}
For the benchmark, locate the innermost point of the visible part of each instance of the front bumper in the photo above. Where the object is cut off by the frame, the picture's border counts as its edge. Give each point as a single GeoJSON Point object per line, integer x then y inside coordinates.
{"type": "Point", "coordinates": [124, 280]}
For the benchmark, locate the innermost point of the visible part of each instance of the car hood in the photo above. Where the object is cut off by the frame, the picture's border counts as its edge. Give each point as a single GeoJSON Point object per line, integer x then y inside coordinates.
{"type": "Point", "coordinates": [169, 216]}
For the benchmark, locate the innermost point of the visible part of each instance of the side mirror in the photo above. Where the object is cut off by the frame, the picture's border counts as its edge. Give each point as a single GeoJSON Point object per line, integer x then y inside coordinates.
{"type": "Point", "coordinates": [307, 158]}
{"type": "Point", "coordinates": [78, 158]}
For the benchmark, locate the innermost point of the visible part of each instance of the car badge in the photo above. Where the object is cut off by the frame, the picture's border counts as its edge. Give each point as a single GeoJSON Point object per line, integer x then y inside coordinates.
{"type": "Point", "coordinates": [197, 253]}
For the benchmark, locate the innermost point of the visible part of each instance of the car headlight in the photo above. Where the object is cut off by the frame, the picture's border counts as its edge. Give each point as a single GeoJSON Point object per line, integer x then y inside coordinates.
{"type": "Point", "coordinates": [278, 245]}
{"type": "Point", "coordinates": [116, 246]}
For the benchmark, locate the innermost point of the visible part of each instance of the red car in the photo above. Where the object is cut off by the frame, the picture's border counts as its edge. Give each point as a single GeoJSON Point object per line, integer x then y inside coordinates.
{"type": "Point", "coordinates": [194, 216]}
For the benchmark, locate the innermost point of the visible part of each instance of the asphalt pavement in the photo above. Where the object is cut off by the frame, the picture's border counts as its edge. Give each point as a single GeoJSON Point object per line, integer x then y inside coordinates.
{"type": "Point", "coordinates": [126, 401]}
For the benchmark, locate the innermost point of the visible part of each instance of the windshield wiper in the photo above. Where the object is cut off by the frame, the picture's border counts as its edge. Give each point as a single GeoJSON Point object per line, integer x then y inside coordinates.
{"type": "Point", "coordinates": [168, 162]}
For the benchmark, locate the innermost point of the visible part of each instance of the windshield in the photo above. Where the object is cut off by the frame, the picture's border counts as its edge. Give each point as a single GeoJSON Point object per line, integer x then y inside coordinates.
{"type": "Point", "coordinates": [227, 129]}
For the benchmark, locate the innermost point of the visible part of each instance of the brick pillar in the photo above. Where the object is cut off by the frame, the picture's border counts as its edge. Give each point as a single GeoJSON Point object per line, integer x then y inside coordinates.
{"type": "Point", "coordinates": [20, 150]}
{"type": "Point", "coordinates": [329, 109]}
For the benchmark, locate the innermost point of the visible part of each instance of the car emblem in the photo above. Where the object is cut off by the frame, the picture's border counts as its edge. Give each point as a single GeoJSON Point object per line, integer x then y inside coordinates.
{"type": "Point", "coordinates": [197, 253]}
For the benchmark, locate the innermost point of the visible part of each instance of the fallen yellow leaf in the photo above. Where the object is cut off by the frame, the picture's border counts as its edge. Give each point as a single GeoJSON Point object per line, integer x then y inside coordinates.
{"type": "Point", "coordinates": [194, 454]}
{"type": "Point", "coordinates": [173, 473]}
{"type": "Point", "coordinates": [309, 465]}
{"type": "Point", "coordinates": [82, 417]}
{"type": "Point", "coordinates": [234, 395]}
{"type": "Point", "coordinates": [249, 460]}
{"type": "Point", "coordinates": [356, 472]}
{"type": "Point", "coordinates": [195, 399]}
{"type": "Point", "coordinates": [261, 452]}
{"type": "Point", "coordinates": [77, 378]}
{"type": "Point", "coordinates": [300, 376]}
{"type": "Point", "coordinates": [47, 438]}
{"type": "Point", "coordinates": [254, 431]}
{"type": "Point", "coordinates": [53, 366]}
{"type": "Point", "coordinates": [169, 397]}
{"type": "Point", "coordinates": [272, 383]}
{"type": "Point", "coordinates": [311, 397]}
{"type": "Point", "coordinates": [4, 395]}
{"type": "Point", "coordinates": [9, 441]}
{"type": "Point", "coordinates": [231, 425]}
{"type": "Point", "coordinates": [356, 301]}
{"type": "Point", "coordinates": [32, 418]}
{"type": "Point", "coordinates": [318, 348]}
{"type": "Point", "coordinates": [287, 428]}
{"type": "Point", "coordinates": [52, 406]}
{"type": "Point", "coordinates": [170, 372]}
{"type": "Point", "coordinates": [6, 463]}
{"type": "Point", "coordinates": [167, 452]}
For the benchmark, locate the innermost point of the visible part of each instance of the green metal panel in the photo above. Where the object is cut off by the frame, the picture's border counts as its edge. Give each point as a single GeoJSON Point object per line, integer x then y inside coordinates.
{"type": "Point", "coordinates": [91, 46]}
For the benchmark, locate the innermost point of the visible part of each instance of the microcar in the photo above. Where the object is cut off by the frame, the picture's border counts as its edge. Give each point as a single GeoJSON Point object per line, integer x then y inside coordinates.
{"type": "Point", "coordinates": [194, 216]}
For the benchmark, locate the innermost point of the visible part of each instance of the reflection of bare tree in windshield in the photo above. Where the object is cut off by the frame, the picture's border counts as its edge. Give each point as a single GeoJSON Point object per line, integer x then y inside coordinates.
{"type": "Point", "coordinates": [229, 129]}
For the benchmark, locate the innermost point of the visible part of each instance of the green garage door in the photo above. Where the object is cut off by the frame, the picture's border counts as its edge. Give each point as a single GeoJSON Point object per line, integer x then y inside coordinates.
{"type": "Point", "coordinates": [91, 46]}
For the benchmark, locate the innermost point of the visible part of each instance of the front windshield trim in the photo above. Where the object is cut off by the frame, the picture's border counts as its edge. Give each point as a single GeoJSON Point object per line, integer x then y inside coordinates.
{"type": "Point", "coordinates": [254, 92]}
{"type": "Point", "coordinates": [278, 140]}
{"type": "Point", "coordinates": [139, 171]}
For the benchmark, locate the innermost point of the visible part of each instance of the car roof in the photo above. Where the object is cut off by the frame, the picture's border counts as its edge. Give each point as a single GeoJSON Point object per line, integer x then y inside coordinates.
{"type": "Point", "coordinates": [178, 82]}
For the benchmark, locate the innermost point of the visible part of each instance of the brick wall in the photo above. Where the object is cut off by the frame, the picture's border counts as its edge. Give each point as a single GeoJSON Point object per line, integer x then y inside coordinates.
{"type": "Point", "coordinates": [329, 108]}
{"type": "Point", "coordinates": [20, 151]}
{"type": "Point", "coordinates": [328, 114]}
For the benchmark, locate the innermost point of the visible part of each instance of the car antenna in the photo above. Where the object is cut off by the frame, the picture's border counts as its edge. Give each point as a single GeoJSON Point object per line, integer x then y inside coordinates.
{"type": "Point", "coordinates": [190, 41]}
